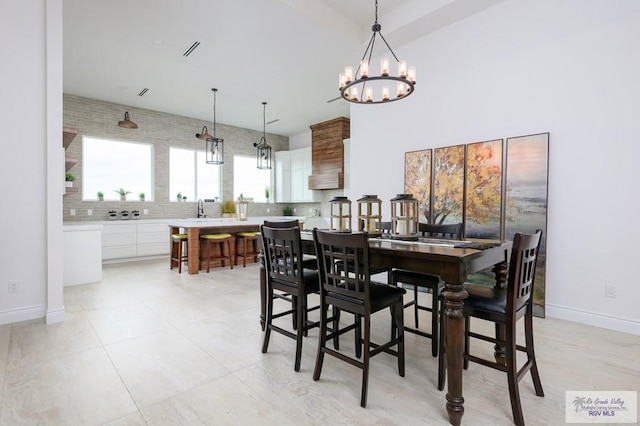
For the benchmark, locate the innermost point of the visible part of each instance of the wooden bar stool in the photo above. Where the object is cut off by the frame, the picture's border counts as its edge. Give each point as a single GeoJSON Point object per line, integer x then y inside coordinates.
{"type": "Point", "coordinates": [207, 240]}
{"type": "Point", "coordinates": [178, 256]}
{"type": "Point", "coordinates": [247, 238]}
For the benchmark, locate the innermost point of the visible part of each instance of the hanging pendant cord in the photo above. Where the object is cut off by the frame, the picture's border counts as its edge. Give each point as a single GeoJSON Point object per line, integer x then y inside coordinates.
{"type": "Point", "coordinates": [214, 111]}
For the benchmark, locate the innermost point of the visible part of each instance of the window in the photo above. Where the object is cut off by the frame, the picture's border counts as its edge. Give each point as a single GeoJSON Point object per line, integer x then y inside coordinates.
{"type": "Point", "coordinates": [248, 180]}
{"type": "Point", "coordinates": [191, 176]}
{"type": "Point", "coordinates": [109, 165]}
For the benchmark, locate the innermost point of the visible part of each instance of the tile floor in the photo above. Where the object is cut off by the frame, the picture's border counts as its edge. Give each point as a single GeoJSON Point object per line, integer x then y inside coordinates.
{"type": "Point", "coordinates": [150, 346]}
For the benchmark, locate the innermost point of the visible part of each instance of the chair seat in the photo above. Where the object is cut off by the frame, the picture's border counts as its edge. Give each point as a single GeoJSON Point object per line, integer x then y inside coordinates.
{"type": "Point", "coordinates": [179, 237]}
{"type": "Point", "coordinates": [215, 236]}
{"type": "Point", "coordinates": [488, 299]}
{"type": "Point", "coordinates": [253, 234]}
{"type": "Point", "coordinates": [380, 295]}
{"type": "Point", "coordinates": [310, 279]}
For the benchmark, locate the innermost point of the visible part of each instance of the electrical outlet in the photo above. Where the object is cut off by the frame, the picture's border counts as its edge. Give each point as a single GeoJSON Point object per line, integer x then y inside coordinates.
{"type": "Point", "coordinates": [89, 212]}
{"type": "Point", "coordinates": [14, 286]}
{"type": "Point", "coordinates": [610, 291]}
{"type": "Point", "coordinates": [268, 210]}
{"type": "Point", "coordinates": [295, 210]}
{"type": "Point", "coordinates": [72, 212]}
{"type": "Point", "coordinates": [145, 211]}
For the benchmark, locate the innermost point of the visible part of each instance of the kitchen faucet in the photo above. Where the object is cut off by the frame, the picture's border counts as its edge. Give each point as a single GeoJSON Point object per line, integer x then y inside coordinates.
{"type": "Point", "coordinates": [201, 209]}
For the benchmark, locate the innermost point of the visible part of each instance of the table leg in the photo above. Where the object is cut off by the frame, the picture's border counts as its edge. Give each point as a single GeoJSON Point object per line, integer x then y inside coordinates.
{"type": "Point", "coordinates": [501, 271]}
{"type": "Point", "coordinates": [193, 257]}
{"type": "Point", "coordinates": [454, 295]}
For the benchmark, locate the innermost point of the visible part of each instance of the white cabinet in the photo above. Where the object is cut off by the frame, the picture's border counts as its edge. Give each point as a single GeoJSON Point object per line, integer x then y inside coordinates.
{"type": "Point", "coordinates": [131, 240]}
{"type": "Point", "coordinates": [293, 169]}
{"type": "Point", "coordinates": [82, 254]}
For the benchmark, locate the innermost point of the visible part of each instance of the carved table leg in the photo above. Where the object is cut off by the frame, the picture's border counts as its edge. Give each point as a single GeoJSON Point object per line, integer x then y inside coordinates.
{"type": "Point", "coordinates": [501, 271]}
{"type": "Point", "coordinates": [454, 294]}
{"type": "Point", "coordinates": [263, 290]}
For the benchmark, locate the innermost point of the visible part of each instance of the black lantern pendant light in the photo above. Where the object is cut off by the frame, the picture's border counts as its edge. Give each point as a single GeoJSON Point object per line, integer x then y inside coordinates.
{"type": "Point", "coordinates": [264, 150]}
{"type": "Point", "coordinates": [214, 146]}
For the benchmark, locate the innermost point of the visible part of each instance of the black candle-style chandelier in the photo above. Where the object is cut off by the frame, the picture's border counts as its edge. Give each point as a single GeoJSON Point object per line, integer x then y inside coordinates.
{"type": "Point", "coordinates": [263, 148]}
{"type": "Point", "coordinates": [214, 147]}
{"type": "Point", "coordinates": [362, 88]}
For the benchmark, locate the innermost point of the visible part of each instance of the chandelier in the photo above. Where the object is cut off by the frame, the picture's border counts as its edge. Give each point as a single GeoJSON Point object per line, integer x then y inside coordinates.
{"type": "Point", "coordinates": [263, 148]}
{"type": "Point", "coordinates": [214, 148]}
{"type": "Point", "coordinates": [364, 88]}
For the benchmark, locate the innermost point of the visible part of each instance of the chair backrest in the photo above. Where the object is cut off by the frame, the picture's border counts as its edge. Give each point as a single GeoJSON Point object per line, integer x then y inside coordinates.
{"type": "Point", "coordinates": [522, 270]}
{"type": "Point", "coordinates": [282, 223]}
{"type": "Point", "coordinates": [343, 262]}
{"type": "Point", "coordinates": [282, 249]}
{"type": "Point", "coordinates": [450, 230]}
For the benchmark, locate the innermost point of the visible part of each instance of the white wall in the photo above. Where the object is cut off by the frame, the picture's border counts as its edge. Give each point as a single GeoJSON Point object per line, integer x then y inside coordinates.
{"type": "Point", "coordinates": [566, 67]}
{"type": "Point", "coordinates": [30, 107]}
{"type": "Point", "coordinates": [301, 140]}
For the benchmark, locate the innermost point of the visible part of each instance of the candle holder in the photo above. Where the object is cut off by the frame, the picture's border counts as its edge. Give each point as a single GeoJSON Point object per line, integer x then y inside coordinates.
{"type": "Point", "coordinates": [369, 215]}
{"type": "Point", "coordinates": [404, 217]}
{"type": "Point", "coordinates": [340, 214]}
{"type": "Point", "coordinates": [242, 208]}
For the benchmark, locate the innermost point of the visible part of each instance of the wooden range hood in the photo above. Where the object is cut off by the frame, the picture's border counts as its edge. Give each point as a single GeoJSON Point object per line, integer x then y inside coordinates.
{"type": "Point", "coordinates": [327, 153]}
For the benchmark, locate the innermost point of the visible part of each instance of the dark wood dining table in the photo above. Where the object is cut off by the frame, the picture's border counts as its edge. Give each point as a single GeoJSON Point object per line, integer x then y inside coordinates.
{"type": "Point", "coordinates": [453, 264]}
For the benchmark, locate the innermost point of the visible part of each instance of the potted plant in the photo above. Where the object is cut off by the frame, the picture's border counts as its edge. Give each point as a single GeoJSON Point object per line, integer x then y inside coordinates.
{"type": "Point", "coordinates": [123, 193]}
{"type": "Point", "coordinates": [100, 196]}
{"type": "Point", "coordinates": [141, 195]}
{"type": "Point", "coordinates": [229, 209]}
{"type": "Point", "coordinates": [184, 198]}
{"type": "Point", "coordinates": [69, 178]}
{"type": "Point", "coordinates": [179, 196]}
{"type": "Point", "coordinates": [287, 211]}
{"type": "Point", "coordinates": [266, 193]}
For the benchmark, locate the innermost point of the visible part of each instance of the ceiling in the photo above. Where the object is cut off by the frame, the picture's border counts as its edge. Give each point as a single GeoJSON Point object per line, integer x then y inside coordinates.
{"type": "Point", "coordinates": [287, 53]}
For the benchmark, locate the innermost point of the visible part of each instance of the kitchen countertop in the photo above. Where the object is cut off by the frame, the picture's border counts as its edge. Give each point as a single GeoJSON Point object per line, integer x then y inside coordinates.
{"type": "Point", "coordinates": [179, 221]}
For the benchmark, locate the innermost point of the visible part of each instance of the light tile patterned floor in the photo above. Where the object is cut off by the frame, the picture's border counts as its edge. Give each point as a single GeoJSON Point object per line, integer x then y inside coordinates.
{"type": "Point", "coordinates": [150, 346]}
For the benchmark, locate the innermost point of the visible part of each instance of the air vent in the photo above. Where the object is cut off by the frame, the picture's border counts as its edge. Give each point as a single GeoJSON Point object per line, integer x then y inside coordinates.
{"type": "Point", "coordinates": [190, 50]}
{"type": "Point", "coordinates": [273, 121]}
{"type": "Point", "coordinates": [143, 91]}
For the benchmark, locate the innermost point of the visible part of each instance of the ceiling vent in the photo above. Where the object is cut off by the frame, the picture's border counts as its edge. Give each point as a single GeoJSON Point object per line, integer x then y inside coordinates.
{"type": "Point", "coordinates": [143, 91]}
{"type": "Point", "coordinates": [191, 48]}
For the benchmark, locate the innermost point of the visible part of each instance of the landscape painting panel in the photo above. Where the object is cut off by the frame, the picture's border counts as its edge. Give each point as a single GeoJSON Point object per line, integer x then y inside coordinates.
{"type": "Point", "coordinates": [417, 180]}
{"type": "Point", "coordinates": [448, 184]}
{"type": "Point", "coordinates": [526, 199]}
{"type": "Point", "coordinates": [483, 189]}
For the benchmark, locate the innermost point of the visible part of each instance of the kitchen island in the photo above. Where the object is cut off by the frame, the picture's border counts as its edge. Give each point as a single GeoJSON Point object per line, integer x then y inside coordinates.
{"type": "Point", "coordinates": [193, 228]}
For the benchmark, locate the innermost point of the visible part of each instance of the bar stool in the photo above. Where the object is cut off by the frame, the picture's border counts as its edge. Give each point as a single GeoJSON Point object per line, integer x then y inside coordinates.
{"type": "Point", "coordinates": [206, 240]}
{"type": "Point", "coordinates": [177, 254]}
{"type": "Point", "coordinates": [247, 238]}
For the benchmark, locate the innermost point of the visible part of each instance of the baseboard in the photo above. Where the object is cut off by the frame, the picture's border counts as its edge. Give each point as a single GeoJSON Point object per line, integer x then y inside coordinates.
{"type": "Point", "coordinates": [22, 314]}
{"type": "Point", "coordinates": [596, 319]}
{"type": "Point", "coordinates": [55, 316]}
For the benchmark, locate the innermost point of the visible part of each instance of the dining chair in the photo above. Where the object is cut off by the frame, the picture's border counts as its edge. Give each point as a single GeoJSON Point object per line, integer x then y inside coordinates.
{"type": "Point", "coordinates": [351, 290]}
{"type": "Point", "coordinates": [284, 272]}
{"type": "Point", "coordinates": [504, 307]}
{"type": "Point", "coordinates": [431, 283]}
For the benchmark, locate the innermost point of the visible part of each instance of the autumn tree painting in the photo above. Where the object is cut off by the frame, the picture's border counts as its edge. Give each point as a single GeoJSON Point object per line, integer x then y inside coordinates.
{"type": "Point", "coordinates": [417, 180]}
{"type": "Point", "coordinates": [484, 189]}
{"type": "Point", "coordinates": [448, 184]}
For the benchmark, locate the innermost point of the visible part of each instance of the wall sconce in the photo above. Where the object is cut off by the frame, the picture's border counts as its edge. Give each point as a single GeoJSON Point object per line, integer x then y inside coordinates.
{"type": "Point", "coordinates": [404, 217]}
{"type": "Point", "coordinates": [127, 123]}
{"type": "Point", "coordinates": [369, 215]}
{"type": "Point", "coordinates": [340, 214]}
{"type": "Point", "coordinates": [263, 154]}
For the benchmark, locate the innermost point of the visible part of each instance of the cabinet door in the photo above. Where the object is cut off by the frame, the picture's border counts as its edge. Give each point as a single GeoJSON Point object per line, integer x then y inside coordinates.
{"type": "Point", "coordinates": [283, 176]}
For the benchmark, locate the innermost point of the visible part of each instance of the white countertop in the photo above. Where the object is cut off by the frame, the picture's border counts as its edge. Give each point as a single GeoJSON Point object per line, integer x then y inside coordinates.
{"type": "Point", "coordinates": [203, 222]}
{"type": "Point", "coordinates": [81, 226]}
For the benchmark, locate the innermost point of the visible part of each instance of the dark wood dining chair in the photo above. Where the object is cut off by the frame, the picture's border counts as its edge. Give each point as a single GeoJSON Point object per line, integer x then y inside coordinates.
{"type": "Point", "coordinates": [351, 290]}
{"type": "Point", "coordinates": [431, 283]}
{"type": "Point", "coordinates": [308, 261]}
{"type": "Point", "coordinates": [505, 306]}
{"type": "Point", "coordinates": [285, 273]}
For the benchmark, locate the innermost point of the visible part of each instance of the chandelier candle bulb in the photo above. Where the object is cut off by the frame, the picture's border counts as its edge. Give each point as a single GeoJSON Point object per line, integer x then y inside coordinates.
{"type": "Point", "coordinates": [400, 90]}
{"type": "Point", "coordinates": [385, 93]}
{"type": "Point", "coordinates": [341, 80]}
{"type": "Point", "coordinates": [384, 67]}
{"type": "Point", "coordinates": [369, 94]}
{"type": "Point", "coordinates": [412, 74]}
{"type": "Point", "coordinates": [364, 69]}
{"type": "Point", "coordinates": [402, 69]}
{"type": "Point", "coordinates": [348, 74]}
{"type": "Point", "coordinates": [354, 93]}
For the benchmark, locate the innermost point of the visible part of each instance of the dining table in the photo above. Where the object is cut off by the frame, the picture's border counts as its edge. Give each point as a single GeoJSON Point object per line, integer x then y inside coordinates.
{"type": "Point", "coordinates": [453, 262]}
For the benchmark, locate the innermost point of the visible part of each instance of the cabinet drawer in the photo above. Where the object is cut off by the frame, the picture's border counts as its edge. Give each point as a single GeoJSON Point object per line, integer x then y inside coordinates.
{"type": "Point", "coordinates": [154, 237]}
{"type": "Point", "coordinates": [119, 252]}
{"type": "Point", "coordinates": [153, 227]}
{"type": "Point", "coordinates": [111, 240]}
{"type": "Point", "coordinates": [118, 229]}
{"type": "Point", "coordinates": [153, 249]}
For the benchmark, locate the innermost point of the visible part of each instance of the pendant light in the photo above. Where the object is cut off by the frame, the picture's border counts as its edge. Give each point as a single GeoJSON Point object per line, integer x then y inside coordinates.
{"type": "Point", "coordinates": [263, 149]}
{"type": "Point", "coordinates": [214, 148]}
{"type": "Point", "coordinates": [127, 123]}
